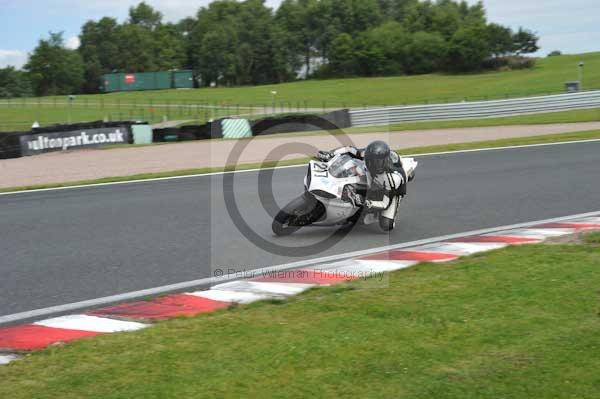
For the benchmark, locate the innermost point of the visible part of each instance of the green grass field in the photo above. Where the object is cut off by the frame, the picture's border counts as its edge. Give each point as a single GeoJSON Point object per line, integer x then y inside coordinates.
{"type": "Point", "coordinates": [516, 323]}
{"type": "Point", "coordinates": [548, 76]}
{"type": "Point", "coordinates": [19, 117]}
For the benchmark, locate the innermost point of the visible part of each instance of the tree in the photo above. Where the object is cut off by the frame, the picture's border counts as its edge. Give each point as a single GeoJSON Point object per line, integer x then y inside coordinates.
{"type": "Point", "coordinates": [169, 48]}
{"type": "Point", "coordinates": [144, 15]}
{"type": "Point", "coordinates": [285, 61]}
{"type": "Point", "coordinates": [306, 22]}
{"type": "Point", "coordinates": [342, 59]}
{"type": "Point", "coordinates": [525, 42]}
{"type": "Point", "coordinates": [185, 29]}
{"type": "Point", "coordinates": [14, 83]}
{"type": "Point", "coordinates": [382, 50]}
{"type": "Point", "coordinates": [443, 16]}
{"type": "Point", "coordinates": [54, 69]}
{"type": "Point", "coordinates": [99, 50]}
{"type": "Point", "coordinates": [136, 49]}
{"type": "Point", "coordinates": [446, 18]}
{"type": "Point", "coordinates": [238, 42]}
{"type": "Point", "coordinates": [141, 44]}
{"type": "Point", "coordinates": [425, 53]}
{"type": "Point", "coordinates": [395, 9]}
{"type": "Point", "coordinates": [472, 15]}
{"type": "Point", "coordinates": [500, 39]}
{"type": "Point", "coordinates": [255, 34]}
{"type": "Point", "coordinates": [468, 49]}
{"type": "Point", "coordinates": [418, 17]}
{"type": "Point", "coordinates": [218, 61]}
{"type": "Point", "coordinates": [356, 15]}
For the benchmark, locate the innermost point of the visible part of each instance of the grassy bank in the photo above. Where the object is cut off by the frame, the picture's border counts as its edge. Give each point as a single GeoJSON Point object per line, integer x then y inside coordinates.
{"type": "Point", "coordinates": [548, 76]}
{"type": "Point", "coordinates": [554, 138]}
{"type": "Point", "coordinates": [520, 323]}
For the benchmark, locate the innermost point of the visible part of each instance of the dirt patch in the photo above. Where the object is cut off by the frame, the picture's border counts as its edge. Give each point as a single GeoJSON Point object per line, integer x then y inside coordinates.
{"type": "Point", "coordinates": [572, 239]}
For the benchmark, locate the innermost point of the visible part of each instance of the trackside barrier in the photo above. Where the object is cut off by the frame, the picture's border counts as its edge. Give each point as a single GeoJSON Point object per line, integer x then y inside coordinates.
{"type": "Point", "coordinates": [233, 128]}
{"type": "Point", "coordinates": [64, 137]}
{"type": "Point", "coordinates": [10, 145]}
{"type": "Point", "coordinates": [236, 128]}
{"type": "Point", "coordinates": [301, 123]}
{"type": "Point", "coordinates": [480, 109]}
{"type": "Point", "coordinates": [187, 133]}
{"type": "Point", "coordinates": [38, 143]}
{"type": "Point", "coordinates": [142, 134]}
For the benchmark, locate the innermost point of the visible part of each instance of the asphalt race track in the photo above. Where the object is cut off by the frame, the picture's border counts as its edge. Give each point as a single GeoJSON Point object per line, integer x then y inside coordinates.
{"type": "Point", "coordinates": [65, 246]}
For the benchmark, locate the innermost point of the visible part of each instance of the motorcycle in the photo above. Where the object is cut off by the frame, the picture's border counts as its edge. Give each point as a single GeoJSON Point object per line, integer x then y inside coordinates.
{"type": "Point", "coordinates": [328, 200]}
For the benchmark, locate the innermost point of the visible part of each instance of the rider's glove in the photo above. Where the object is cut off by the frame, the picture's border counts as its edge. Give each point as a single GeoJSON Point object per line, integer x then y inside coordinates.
{"type": "Point", "coordinates": [324, 156]}
{"type": "Point", "coordinates": [368, 204]}
{"type": "Point", "coordinates": [358, 200]}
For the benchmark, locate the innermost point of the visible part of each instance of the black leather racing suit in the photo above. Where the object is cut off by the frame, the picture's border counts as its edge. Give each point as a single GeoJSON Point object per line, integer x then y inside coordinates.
{"type": "Point", "coordinates": [386, 189]}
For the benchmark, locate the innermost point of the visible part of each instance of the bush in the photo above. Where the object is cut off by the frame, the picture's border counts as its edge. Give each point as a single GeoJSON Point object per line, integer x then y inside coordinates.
{"type": "Point", "coordinates": [503, 64]}
{"type": "Point", "coordinates": [425, 53]}
{"type": "Point", "coordinates": [521, 62]}
{"type": "Point", "coordinates": [342, 60]}
{"type": "Point", "coordinates": [468, 49]}
{"type": "Point", "coordinates": [14, 83]}
{"type": "Point", "coordinates": [381, 50]}
{"type": "Point", "coordinates": [555, 53]}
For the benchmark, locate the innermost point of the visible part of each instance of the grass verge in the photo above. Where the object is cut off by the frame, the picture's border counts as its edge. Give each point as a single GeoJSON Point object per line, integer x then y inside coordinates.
{"type": "Point", "coordinates": [554, 138]}
{"type": "Point", "coordinates": [592, 238]}
{"type": "Point", "coordinates": [520, 323]}
{"type": "Point", "coordinates": [545, 139]}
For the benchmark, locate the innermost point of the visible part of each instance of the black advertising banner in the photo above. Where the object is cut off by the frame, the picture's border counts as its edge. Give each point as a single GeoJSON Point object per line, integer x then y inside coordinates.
{"type": "Point", "coordinates": [38, 143]}
{"type": "Point", "coordinates": [10, 145]}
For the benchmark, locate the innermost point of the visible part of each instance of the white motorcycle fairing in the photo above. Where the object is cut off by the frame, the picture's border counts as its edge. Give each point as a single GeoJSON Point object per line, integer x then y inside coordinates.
{"type": "Point", "coordinates": [330, 189]}
{"type": "Point", "coordinates": [327, 182]}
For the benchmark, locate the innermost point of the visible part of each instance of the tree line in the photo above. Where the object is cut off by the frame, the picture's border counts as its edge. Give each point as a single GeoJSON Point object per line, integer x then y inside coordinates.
{"type": "Point", "coordinates": [233, 42]}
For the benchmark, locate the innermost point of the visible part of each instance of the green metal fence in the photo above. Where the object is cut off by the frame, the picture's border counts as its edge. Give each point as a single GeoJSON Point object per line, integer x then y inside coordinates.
{"type": "Point", "coordinates": [115, 82]}
{"type": "Point", "coordinates": [20, 114]}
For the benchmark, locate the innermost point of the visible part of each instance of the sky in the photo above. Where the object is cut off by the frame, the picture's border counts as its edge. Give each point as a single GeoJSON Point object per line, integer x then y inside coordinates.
{"type": "Point", "coordinates": [571, 27]}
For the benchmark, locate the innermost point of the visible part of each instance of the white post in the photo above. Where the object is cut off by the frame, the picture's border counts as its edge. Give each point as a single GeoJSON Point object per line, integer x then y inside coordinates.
{"type": "Point", "coordinates": [274, 110]}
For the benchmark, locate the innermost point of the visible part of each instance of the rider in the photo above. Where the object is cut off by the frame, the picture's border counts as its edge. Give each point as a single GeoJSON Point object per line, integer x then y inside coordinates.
{"type": "Point", "coordinates": [387, 182]}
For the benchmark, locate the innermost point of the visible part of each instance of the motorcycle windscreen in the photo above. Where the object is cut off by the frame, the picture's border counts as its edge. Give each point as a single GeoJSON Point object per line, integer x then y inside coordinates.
{"type": "Point", "coordinates": [346, 166]}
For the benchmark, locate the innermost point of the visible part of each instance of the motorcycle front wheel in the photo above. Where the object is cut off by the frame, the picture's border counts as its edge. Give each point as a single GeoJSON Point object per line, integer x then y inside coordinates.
{"type": "Point", "coordinates": [301, 212]}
